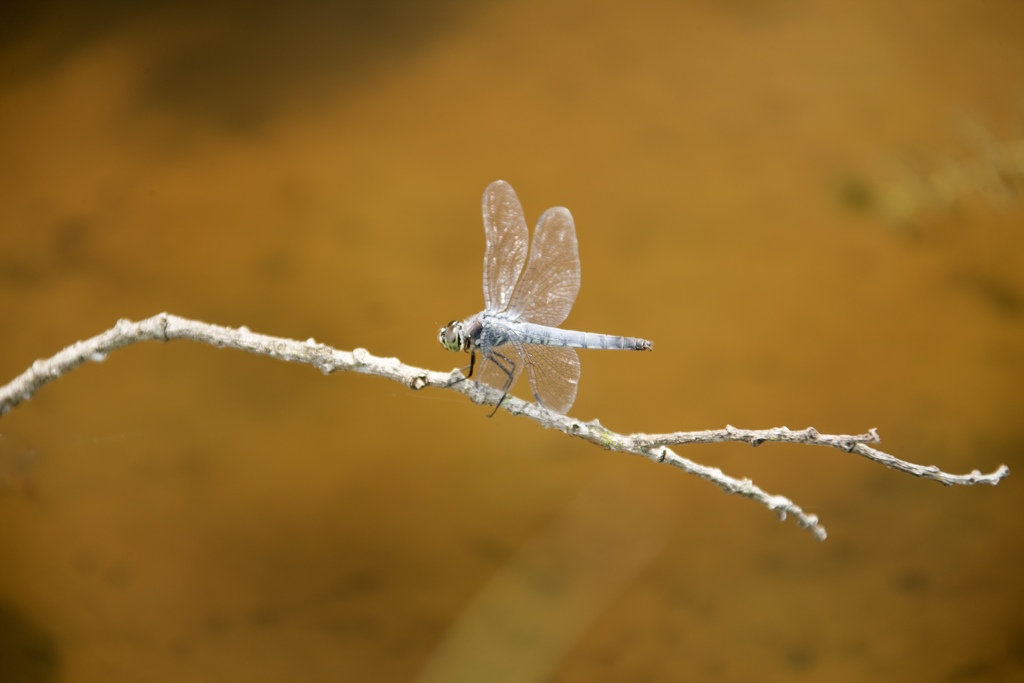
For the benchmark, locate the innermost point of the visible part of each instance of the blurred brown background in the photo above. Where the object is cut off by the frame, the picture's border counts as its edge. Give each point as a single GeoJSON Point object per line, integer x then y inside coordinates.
{"type": "Point", "coordinates": [780, 195]}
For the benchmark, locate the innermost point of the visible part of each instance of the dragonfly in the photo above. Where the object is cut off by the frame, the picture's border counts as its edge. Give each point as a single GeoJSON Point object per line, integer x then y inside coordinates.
{"type": "Point", "coordinates": [525, 299]}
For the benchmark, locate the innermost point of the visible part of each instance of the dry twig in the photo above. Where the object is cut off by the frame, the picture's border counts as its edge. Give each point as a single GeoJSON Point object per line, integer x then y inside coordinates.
{"type": "Point", "coordinates": [164, 327]}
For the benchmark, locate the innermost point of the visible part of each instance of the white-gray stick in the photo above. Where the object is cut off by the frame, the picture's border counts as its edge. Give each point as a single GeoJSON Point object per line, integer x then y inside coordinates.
{"type": "Point", "coordinates": [164, 327]}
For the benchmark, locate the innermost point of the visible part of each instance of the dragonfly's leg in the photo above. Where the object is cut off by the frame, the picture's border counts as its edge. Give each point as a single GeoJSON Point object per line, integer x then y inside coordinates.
{"type": "Point", "coordinates": [509, 369]}
{"type": "Point", "coordinates": [466, 372]}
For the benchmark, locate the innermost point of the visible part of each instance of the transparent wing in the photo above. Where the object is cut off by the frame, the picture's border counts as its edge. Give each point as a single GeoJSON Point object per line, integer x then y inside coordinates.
{"type": "Point", "coordinates": [495, 365]}
{"type": "Point", "coordinates": [549, 285]}
{"type": "Point", "coordinates": [554, 373]}
{"type": "Point", "coordinates": [507, 241]}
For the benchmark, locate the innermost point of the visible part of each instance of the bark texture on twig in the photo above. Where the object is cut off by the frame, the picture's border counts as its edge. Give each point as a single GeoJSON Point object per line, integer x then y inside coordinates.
{"type": "Point", "coordinates": [165, 327]}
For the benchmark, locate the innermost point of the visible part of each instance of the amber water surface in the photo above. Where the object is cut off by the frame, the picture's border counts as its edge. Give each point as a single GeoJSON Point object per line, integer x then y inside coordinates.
{"type": "Point", "coordinates": [812, 209]}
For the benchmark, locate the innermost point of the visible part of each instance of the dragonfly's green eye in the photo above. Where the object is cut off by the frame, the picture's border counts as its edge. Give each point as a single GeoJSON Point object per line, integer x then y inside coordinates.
{"type": "Point", "coordinates": [451, 336]}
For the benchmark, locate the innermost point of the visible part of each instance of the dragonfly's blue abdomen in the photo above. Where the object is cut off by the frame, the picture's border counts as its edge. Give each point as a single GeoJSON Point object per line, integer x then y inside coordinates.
{"type": "Point", "coordinates": [531, 333]}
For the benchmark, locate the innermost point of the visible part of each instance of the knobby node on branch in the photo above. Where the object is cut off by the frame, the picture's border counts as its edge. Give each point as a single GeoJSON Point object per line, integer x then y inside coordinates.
{"type": "Point", "coordinates": [164, 327]}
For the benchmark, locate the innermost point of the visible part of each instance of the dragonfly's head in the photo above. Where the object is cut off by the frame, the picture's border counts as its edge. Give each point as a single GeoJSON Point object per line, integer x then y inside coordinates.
{"type": "Point", "coordinates": [452, 337]}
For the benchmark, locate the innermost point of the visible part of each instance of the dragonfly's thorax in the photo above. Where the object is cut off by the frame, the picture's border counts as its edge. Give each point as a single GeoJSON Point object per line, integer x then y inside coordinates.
{"type": "Point", "coordinates": [487, 331]}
